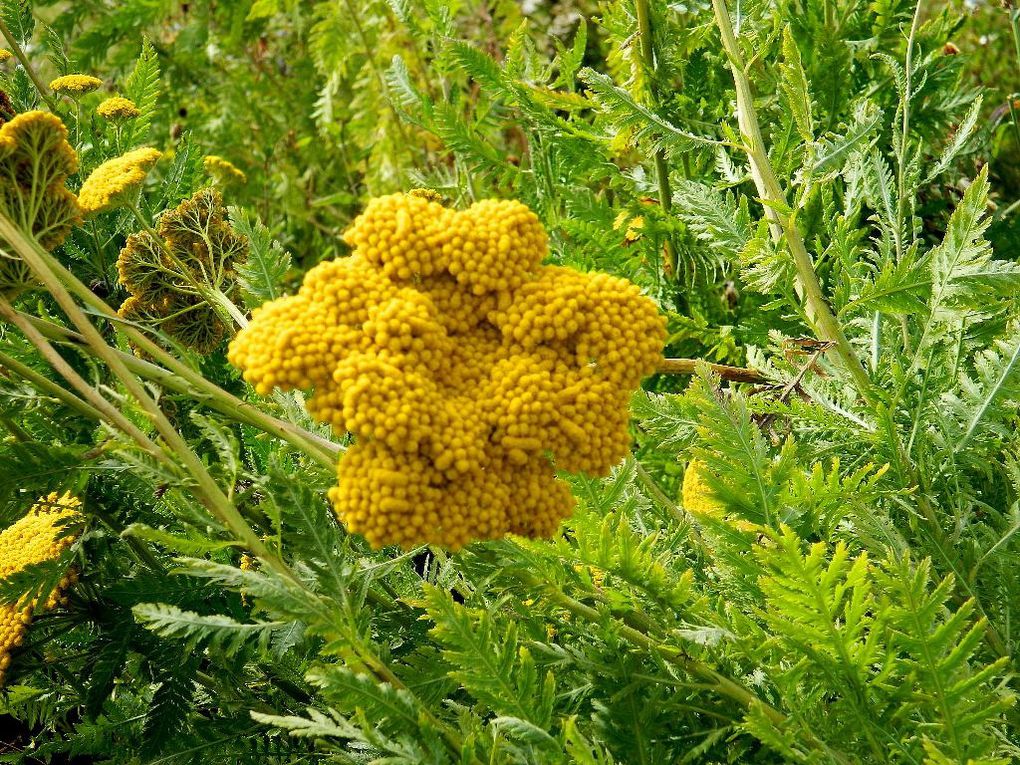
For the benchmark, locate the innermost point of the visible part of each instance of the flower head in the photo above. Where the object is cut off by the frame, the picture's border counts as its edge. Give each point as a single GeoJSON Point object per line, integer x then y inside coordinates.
{"type": "Point", "coordinates": [5, 54]}
{"type": "Point", "coordinates": [223, 170]}
{"type": "Point", "coordinates": [35, 162]}
{"type": "Point", "coordinates": [75, 85]}
{"type": "Point", "coordinates": [37, 537]}
{"type": "Point", "coordinates": [111, 182]}
{"type": "Point", "coordinates": [196, 245]}
{"type": "Point", "coordinates": [468, 372]}
{"type": "Point", "coordinates": [118, 108]}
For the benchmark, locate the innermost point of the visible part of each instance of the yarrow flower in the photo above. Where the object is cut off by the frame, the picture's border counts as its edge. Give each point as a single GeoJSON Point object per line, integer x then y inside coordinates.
{"type": "Point", "coordinates": [37, 537]}
{"type": "Point", "coordinates": [223, 170]}
{"type": "Point", "coordinates": [468, 372]}
{"type": "Point", "coordinates": [110, 183]}
{"type": "Point", "coordinates": [197, 246]}
{"type": "Point", "coordinates": [75, 85]}
{"type": "Point", "coordinates": [118, 108]}
{"type": "Point", "coordinates": [35, 162]}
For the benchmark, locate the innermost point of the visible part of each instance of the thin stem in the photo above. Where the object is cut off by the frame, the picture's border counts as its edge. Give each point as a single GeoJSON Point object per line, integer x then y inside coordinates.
{"type": "Point", "coordinates": [716, 681]}
{"type": "Point", "coordinates": [901, 172]}
{"type": "Point", "coordinates": [104, 407]}
{"type": "Point", "coordinates": [320, 449]}
{"type": "Point", "coordinates": [47, 386]}
{"type": "Point", "coordinates": [688, 366]}
{"type": "Point", "coordinates": [214, 297]}
{"type": "Point", "coordinates": [644, 21]}
{"type": "Point", "coordinates": [16, 49]}
{"type": "Point", "coordinates": [783, 226]}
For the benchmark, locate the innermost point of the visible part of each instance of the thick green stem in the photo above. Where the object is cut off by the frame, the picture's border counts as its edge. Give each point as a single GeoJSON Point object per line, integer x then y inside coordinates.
{"type": "Point", "coordinates": [208, 492]}
{"type": "Point", "coordinates": [200, 387]}
{"type": "Point", "coordinates": [323, 451]}
{"type": "Point", "coordinates": [45, 385]}
{"type": "Point", "coordinates": [783, 226]}
{"type": "Point", "coordinates": [105, 408]}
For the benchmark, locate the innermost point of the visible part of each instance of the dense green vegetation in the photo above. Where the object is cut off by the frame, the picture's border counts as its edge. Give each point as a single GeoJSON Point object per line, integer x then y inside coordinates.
{"type": "Point", "coordinates": [822, 198]}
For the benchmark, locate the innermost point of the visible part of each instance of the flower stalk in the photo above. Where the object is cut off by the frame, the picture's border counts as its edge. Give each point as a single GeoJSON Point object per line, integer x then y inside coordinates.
{"type": "Point", "coordinates": [782, 224]}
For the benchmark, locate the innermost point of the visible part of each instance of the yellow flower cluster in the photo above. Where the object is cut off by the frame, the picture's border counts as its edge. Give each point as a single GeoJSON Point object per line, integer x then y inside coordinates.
{"type": "Point", "coordinates": [700, 501]}
{"type": "Point", "coordinates": [118, 108]}
{"type": "Point", "coordinates": [38, 536]}
{"type": "Point", "coordinates": [75, 85]}
{"type": "Point", "coordinates": [5, 54]}
{"type": "Point", "coordinates": [197, 250]}
{"type": "Point", "coordinates": [35, 162]}
{"type": "Point", "coordinates": [223, 170]}
{"type": "Point", "coordinates": [111, 182]}
{"type": "Point", "coordinates": [467, 371]}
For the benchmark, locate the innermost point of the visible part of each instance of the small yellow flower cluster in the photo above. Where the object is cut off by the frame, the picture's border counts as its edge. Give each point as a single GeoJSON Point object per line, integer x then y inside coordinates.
{"type": "Point", "coordinates": [75, 85]}
{"type": "Point", "coordinates": [117, 109]}
{"type": "Point", "coordinates": [35, 162]}
{"type": "Point", "coordinates": [197, 248]}
{"type": "Point", "coordinates": [35, 538]}
{"type": "Point", "coordinates": [223, 170]}
{"type": "Point", "coordinates": [5, 55]}
{"type": "Point", "coordinates": [700, 501]}
{"type": "Point", "coordinates": [110, 183]}
{"type": "Point", "coordinates": [467, 371]}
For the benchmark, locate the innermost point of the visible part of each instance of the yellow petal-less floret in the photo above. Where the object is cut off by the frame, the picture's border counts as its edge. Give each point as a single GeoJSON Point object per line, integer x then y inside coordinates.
{"type": "Point", "coordinates": [467, 371]}
{"type": "Point", "coordinates": [75, 85]}
{"type": "Point", "coordinates": [37, 537]}
{"type": "Point", "coordinates": [118, 108]}
{"type": "Point", "coordinates": [109, 184]}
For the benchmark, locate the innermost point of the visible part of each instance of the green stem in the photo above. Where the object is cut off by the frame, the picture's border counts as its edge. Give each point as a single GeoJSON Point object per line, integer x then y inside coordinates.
{"type": "Point", "coordinates": [47, 386]}
{"type": "Point", "coordinates": [644, 22]}
{"type": "Point", "coordinates": [901, 173]}
{"type": "Point", "coordinates": [208, 492]}
{"type": "Point", "coordinates": [783, 226]}
{"type": "Point", "coordinates": [716, 681]}
{"type": "Point", "coordinates": [213, 297]}
{"type": "Point", "coordinates": [320, 449]}
{"type": "Point", "coordinates": [104, 407]}
{"type": "Point", "coordinates": [16, 49]}
{"type": "Point", "coordinates": [200, 386]}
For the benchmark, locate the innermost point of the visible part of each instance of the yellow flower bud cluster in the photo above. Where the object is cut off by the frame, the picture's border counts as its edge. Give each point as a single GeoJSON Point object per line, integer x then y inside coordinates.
{"type": "Point", "coordinates": [223, 170]}
{"type": "Point", "coordinates": [37, 537]}
{"type": "Point", "coordinates": [118, 109]}
{"type": "Point", "coordinates": [35, 162]}
{"type": "Point", "coordinates": [700, 501]}
{"type": "Point", "coordinates": [467, 371]}
{"type": "Point", "coordinates": [109, 185]}
{"type": "Point", "coordinates": [75, 85]}
{"type": "Point", "coordinates": [170, 278]}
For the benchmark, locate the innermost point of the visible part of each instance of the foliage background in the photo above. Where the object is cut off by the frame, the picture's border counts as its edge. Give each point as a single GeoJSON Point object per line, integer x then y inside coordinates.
{"type": "Point", "coordinates": [867, 617]}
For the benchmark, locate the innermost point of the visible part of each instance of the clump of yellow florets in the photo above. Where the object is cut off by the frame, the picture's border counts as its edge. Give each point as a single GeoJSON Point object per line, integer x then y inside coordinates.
{"type": "Point", "coordinates": [5, 55]}
{"type": "Point", "coordinates": [109, 185]}
{"type": "Point", "coordinates": [223, 170]}
{"type": "Point", "coordinates": [700, 500]}
{"type": "Point", "coordinates": [37, 537]}
{"type": "Point", "coordinates": [75, 85]}
{"type": "Point", "coordinates": [35, 162]}
{"type": "Point", "coordinates": [118, 108]}
{"type": "Point", "coordinates": [467, 371]}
